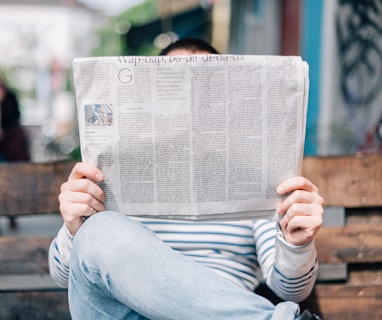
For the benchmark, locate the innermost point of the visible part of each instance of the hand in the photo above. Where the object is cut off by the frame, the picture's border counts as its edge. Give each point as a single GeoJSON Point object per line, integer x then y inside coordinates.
{"type": "Point", "coordinates": [301, 210]}
{"type": "Point", "coordinates": [80, 196]}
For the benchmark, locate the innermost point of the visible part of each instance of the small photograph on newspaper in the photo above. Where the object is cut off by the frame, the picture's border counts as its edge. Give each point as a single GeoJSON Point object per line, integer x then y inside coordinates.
{"type": "Point", "coordinates": [98, 115]}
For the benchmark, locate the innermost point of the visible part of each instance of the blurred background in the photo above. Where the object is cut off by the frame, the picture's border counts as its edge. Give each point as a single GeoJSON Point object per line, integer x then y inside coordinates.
{"type": "Point", "coordinates": [340, 39]}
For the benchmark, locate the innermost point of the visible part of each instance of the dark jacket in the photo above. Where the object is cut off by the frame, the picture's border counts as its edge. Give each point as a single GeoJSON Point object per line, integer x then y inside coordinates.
{"type": "Point", "coordinates": [14, 143]}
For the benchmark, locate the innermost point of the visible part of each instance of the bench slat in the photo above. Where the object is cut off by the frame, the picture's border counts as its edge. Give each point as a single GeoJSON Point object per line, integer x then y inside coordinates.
{"type": "Point", "coordinates": [24, 255]}
{"type": "Point", "coordinates": [348, 181]}
{"type": "Point", "coordinates": [339, 301]}
{"type": "Point", "coordinates": [30, 188]}
{"type": "Point", "coordinates": [342, 301]}
{"type": "Point", "coordinates": [352, 244]}
{"type": "Point", "coordinates": [49, 305]}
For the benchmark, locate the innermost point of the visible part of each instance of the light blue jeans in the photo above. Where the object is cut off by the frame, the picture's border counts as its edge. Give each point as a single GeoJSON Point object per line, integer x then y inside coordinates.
{"type": "Point", "coordinates": [121, 270]}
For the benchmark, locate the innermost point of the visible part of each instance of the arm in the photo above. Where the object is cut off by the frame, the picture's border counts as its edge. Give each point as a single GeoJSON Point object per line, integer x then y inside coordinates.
{"type": "Point", "coordinates": [80, 197]}
{"type": "Point", "coordinates": [59, 257]}
{"type": "Point", "coordinates": [288, 256]}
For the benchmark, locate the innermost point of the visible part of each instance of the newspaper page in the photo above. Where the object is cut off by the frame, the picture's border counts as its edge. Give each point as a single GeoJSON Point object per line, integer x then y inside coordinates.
{"type": "Point", "coordinates": [192, 137]}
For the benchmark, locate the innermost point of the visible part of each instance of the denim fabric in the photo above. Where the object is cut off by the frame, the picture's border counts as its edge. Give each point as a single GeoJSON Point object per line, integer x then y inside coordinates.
{"type": "Point", "coordinates": [121, 270]}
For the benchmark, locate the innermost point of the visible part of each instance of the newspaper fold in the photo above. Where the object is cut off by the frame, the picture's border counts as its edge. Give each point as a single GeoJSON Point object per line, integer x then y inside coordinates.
{"type": "Point", "coordinates": [193, 137]}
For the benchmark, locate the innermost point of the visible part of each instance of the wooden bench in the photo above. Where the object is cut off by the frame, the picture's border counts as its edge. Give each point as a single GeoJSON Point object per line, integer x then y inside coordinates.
{"type": "Point", "coordinates": [349, 245]}
{"type": "Point", "coordinates": [26, 288]}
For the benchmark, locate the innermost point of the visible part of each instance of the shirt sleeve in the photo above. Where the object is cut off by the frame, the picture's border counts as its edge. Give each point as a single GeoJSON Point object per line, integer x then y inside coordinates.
{"type": "Point", "coordinates": [59, 257]}
{"type": "Point", "coordinates": [290, 271]}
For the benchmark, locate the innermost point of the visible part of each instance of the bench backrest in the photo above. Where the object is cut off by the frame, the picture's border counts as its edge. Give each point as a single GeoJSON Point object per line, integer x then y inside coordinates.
{"type": "Point", "coordinates": [349, 245]}
{"type": "Point", "coordinates": [30, 188]}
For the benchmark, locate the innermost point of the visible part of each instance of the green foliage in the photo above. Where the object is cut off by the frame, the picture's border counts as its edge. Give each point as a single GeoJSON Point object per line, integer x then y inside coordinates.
{"type": "Point", "coordinates": [111, 35]}
{"type": "Point", "coordinates": [141, 14]}
{"type": "Point", "coordinates": [75, 154]}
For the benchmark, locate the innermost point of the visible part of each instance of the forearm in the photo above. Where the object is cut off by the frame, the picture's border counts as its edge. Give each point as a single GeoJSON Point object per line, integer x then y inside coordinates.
{"type": "Point", "coordinates": [295, 270]}
{"type": "Point", "coordinates": [59, 257]}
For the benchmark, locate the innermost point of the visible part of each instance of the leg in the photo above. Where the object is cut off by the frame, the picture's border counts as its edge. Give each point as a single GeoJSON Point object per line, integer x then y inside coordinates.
{"type": "Point", "coordinates": [120, 269]}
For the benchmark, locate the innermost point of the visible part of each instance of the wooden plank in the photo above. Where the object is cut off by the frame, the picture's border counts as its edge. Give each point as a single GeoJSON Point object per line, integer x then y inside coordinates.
{"type": "Point", "coordinates": [349, 181]}
{"type": "Point", "coordinates": [29, 188]}
{"type": "Point", "coordinates": [27, 282]}
{"type": "Point", "coordinates": [357, 216]}
{"type": "Point", "coordinates": [365, 274]}
{"type": "Point", "coordinates": [337, 301]}
{"type": "Point", "coordinates": [352, 244]}
{"type": "Point", "coordinates": [24, 255]}
{"type": "Point", "coordinates": [50, 305]}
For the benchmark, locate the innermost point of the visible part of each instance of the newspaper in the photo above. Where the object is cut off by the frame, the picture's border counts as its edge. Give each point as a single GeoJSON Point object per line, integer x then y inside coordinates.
{"type": "Point", "coordinates": [193, 137]}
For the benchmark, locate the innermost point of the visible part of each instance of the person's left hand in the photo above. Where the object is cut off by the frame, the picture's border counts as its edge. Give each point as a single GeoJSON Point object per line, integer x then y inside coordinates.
{"type": "Point", "coordinates": [301, 210]}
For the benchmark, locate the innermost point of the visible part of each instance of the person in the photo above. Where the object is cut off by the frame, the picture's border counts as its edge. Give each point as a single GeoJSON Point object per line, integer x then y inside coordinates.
{"type": "Point", "coordinates": [14, 144]}
{"type": "Point", "coordinates": [120, 267]}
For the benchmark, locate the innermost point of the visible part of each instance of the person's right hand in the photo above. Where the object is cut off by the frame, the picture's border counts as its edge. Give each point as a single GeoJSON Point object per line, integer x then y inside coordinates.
{"type": "Point", "coordinates": [80, 196]}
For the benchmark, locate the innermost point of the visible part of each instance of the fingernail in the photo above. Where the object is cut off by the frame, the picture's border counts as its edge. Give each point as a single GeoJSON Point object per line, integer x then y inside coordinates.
{"type": "Point", "coordinates": [280, 189]}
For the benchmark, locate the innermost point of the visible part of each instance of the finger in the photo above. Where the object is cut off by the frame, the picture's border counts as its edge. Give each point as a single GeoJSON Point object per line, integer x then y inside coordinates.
{"type": "Point", "coordinates": [84, 186]}
{"type": "Point", "coordinates": [72, 212]}
{"type": "Point", "coordinates": [83, 200]}
{"type": "Point", "coordinates": [296, 183]}
{"type": "Point", "coordinates": [301, 209]}
{"type": "Point", "coordinates": [301, 229]}
{"type": "Point", "coordinates": [309, 224]}
{"type": "Point", "coordinates": [298, 196]}
{"type": "Point", "coordinates": [85, 170]}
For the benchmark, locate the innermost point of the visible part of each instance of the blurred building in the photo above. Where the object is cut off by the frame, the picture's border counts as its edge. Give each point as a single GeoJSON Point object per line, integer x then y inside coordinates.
{"type": "Point", "coordinates": [38, 42]}
{"type": "Point", "coordinates": [342, 42]}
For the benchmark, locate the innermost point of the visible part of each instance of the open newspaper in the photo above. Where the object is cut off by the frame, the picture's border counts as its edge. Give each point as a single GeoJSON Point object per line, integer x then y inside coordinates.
{"type": "Point", "coordinates": [192, 137]}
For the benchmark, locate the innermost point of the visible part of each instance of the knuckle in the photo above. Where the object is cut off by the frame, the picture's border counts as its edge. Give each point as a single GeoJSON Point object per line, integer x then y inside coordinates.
{"type": "Point", "coordinates": [83, 209]}
{"type": "Point", "coordinates": [77, 166]}
{"type": "Point", "coordinates": [298, 194]}
{"type": "Point", "coordinates": [64, 186]}
{"type": "Point", "coordinates": [301, 181]}
{"type": "Point", "coordinates": [88, 198]}
{"type": "Point", "coordinates": [292, 210]}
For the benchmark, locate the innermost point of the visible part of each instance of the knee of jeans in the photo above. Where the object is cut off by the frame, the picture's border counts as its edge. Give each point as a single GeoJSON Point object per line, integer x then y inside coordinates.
{"type": "Point", "coordinates": [93, 232]}
{"type": "Point", "coordinates": [103, 232]}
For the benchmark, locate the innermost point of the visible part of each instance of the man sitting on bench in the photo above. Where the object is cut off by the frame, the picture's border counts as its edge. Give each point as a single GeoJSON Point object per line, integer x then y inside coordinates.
{"type": "Point", "coordinates": [120, 267]}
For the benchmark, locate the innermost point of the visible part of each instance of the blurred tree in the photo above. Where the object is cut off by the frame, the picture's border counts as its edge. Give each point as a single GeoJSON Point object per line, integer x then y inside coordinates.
{"type": "Point", "coordinates": [111, 35]}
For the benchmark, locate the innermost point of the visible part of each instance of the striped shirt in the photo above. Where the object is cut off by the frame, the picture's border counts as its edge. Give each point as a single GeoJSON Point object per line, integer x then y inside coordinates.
{"type": "Point", "coordinates": [244, 252]}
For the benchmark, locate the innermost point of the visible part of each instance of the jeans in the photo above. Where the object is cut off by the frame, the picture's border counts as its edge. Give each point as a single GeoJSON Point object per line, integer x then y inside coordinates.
{"type": "Point", "coordinates": [121, 270]}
